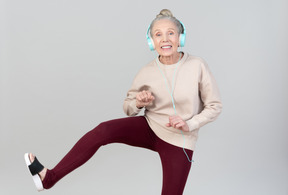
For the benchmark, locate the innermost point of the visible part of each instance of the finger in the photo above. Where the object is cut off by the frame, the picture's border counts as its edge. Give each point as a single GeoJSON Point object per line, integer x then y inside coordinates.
{"type": "Point", "coordinates": [142, 97]}
{"type": "Point", "coordinates": [138, 97]}
{"type": "Point", "coordinates": [173, 117]}
{"type": "Point", "coordinates": [178, 119]}
{"type": "Point", "coordinates": [175, 120]}
{"type": "Point", "coordinates": [151, 97]}
{"type": "Point", "coordinates": [173, 123]}
{"type": "Point", "coordinates": [139, 100]}
{"type": "Point", "coordinates": [179, 125]}
{"type": "Point", "coordinates": [147, 95]}
{"type": "Point", "coordinates": [168, 125]}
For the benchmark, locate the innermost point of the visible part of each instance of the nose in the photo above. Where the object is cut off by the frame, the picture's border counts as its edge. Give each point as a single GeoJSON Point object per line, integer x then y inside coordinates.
{"type": "Point", "coordinates": [165, 38]}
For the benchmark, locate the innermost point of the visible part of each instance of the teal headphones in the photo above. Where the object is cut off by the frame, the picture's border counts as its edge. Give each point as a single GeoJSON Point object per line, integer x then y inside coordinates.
{"type": "Point", "coordinates": [182, 37]}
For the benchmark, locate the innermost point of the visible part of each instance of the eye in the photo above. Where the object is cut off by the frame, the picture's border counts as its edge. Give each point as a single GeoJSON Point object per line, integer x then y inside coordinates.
{"type": "Point", "coordinates": [158, 34]}
{"type": "Point", "coordinates": [171, 33]}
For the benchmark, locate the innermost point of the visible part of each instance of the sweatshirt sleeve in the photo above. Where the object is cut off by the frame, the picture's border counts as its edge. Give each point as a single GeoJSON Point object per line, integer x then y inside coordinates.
{"type": "Point", "coordinates": [129, 105]}
{"type": "Point", "coordinates": [210, 97]}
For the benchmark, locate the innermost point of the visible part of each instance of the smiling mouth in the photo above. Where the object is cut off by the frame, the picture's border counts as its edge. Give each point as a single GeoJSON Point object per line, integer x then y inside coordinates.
{"type": "Point", "coordinates": [166, 47]}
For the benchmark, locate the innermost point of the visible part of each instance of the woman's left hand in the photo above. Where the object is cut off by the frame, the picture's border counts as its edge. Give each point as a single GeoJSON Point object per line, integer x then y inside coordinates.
{"type": "Point", "coordinates": [178, 123]}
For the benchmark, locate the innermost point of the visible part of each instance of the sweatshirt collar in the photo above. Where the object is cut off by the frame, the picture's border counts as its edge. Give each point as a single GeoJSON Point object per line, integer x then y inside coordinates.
{"type": "Point", "coordinates": [165, 66]}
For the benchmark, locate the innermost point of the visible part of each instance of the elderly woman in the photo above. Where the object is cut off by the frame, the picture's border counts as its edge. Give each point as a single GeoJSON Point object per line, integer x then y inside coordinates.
{"type": "Point", "coordinates": [179, 95]}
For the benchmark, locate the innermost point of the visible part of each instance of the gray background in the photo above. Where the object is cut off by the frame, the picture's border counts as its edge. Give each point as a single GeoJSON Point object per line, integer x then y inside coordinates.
{"type": "Point", "coordinates": [67, 65]}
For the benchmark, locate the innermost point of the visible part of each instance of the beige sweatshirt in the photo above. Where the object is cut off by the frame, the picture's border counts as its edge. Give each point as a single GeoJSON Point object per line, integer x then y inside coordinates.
{"type": "Point", "coordinates": [196, 98]}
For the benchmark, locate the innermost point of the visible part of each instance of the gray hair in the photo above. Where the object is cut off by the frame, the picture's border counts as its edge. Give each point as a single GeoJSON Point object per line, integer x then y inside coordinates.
{"type": "Point", "coordinates": [167, 14]}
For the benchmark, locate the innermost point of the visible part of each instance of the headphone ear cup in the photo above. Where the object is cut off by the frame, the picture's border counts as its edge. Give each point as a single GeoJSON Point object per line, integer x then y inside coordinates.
{"type": "Point", "coordinates": [150, 44]}
{"type": "Point", "coordinates": [182, 38]}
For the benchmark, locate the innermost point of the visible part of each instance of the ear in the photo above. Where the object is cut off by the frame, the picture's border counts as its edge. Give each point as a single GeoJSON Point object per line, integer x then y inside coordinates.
{"type": "Point", "coordinates": [151, 43]}
{"type": "Point", "coordinates": [149, 40]}
{"type": "Point", "coordinates": [182, 38]}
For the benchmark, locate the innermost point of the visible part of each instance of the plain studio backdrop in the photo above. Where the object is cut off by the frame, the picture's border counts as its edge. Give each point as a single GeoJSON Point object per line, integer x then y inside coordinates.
{"type": "Point", "coordinates": [66, 66]}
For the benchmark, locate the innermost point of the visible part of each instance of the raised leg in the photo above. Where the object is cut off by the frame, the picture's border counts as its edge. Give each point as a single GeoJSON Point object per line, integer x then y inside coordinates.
{"type": "Point", "coordinates": [132, 131]}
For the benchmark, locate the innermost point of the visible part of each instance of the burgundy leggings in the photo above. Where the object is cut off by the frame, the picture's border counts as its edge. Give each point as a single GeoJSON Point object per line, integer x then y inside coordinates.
{"type": "Point", "coordinates": [133, 131]}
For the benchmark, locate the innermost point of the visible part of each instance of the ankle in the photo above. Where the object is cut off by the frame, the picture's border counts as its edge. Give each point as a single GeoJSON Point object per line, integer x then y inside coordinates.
{"type": "Point", "coordinates": [43, 174]}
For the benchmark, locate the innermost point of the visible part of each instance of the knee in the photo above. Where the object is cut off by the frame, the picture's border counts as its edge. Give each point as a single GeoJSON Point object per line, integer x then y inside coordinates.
{"type": "Point", "coordinates": [102, 126]}
{"type": "Point", "coordinates": [101, 130]}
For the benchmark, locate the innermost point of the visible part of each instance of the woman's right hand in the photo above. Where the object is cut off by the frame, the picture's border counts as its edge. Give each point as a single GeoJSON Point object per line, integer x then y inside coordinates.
{"type": "Point", "coordinates": [144, 98]}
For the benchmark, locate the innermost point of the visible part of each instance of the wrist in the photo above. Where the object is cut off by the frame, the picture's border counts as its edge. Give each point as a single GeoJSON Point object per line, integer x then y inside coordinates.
{"type": "Point", "coordinates": [138, 106]}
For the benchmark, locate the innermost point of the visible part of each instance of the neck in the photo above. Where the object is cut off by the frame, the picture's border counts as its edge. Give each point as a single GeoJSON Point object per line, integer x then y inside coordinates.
{"type": "Point", "coordinates": [168, 60]}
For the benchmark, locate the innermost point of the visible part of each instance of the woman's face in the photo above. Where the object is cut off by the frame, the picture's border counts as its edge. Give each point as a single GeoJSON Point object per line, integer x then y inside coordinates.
{"type": "Point", "coordinates": [165, 37]}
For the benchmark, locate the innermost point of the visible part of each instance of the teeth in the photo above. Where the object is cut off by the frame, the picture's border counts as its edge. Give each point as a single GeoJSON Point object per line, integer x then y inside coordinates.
{"type": "Point", "coordinates": [166, 47]}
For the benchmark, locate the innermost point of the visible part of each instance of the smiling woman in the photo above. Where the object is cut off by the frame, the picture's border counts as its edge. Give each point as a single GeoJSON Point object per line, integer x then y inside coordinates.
{"type": "Point", "coordinates": [179, 95]}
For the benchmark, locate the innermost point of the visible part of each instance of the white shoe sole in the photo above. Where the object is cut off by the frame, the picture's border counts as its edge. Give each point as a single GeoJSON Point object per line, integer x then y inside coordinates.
{"type": "Point", "coordinates": [36, 178]}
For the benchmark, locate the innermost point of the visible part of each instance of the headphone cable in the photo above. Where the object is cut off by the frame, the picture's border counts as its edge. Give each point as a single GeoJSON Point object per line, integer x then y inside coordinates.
{"type": "Point", "coordinates": [172, 98]}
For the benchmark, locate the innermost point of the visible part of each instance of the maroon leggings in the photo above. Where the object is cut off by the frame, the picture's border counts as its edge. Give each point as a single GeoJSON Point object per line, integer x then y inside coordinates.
{"type": "Point", "coordinates": [133, 131]}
